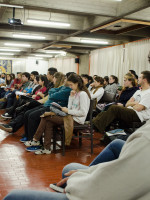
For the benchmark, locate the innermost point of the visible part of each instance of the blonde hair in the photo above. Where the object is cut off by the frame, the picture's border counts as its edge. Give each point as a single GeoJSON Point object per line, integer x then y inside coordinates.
{"type": "Point", "coordinates": [130, 77]}
{"type": "Point", "coordinates": [60, 77]}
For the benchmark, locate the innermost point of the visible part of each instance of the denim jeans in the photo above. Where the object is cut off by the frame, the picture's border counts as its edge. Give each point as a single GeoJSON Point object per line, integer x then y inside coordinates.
{"type": "Point", "coordinates": [35, 195]}
{"type": "Point", "coordinates": [111, 152]}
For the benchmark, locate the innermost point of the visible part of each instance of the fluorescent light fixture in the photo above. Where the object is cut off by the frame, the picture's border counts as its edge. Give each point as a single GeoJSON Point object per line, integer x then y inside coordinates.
{"type": "Point", "coordinates": [47, 22]}
{"type": "Point", "coordinates": [7, 54]}
{"type": "Point", "coordinates": [15, 50]}
{"type": "Point", "coordinates": [35, 58]}
{"type": "Point", "coordinates": [56, 52]}
{"type": "Point", "coordinates": [42, 55]}
{"type": "Point", "coordinates": [17, 45]}
{"type": "Point", "coordinates": [93, 41]}
{"type": "Point", "coordinates": [11, 6]}
{"type": "Point", "coordinates": [36, 37]}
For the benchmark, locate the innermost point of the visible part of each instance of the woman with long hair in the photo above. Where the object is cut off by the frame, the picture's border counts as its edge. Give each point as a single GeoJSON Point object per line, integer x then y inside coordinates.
{"type": "Point", "coordinates": [6, 90]}
{"type": "Point", "coordinates": [43, 83]}
{"type": "Point", "coordinates": [129, 88]}
{"type": "Point", "coordinates": [113, 85]}
{"type": "Point", "coordinates": [96, 88]}
{"type": "Point", "coordinates": [78, 106]}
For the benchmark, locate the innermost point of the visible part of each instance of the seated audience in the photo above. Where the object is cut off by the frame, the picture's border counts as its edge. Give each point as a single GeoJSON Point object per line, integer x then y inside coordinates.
{"type": "Point", "coordinates": [29, 89]}
{"type": "Point", "coordinates": [91, 79]}
{"type": "Point", "coordinates": [78, 106]}
{"type": "Point", "coordinates": [113, 85]}
{"type": "Point", "coordinates": [137, 108]}
{"type": "Point", "coordinates": [17, 81]}
{"type": "Point", "coordinates": [134, 74]}
{"type": "Point", "coordinates": [11, 97]}
{"type": "Point", "coordinates": [85, 79]}
{"type": "Point", "coordinates": [9, 81]}
{"type": "Point", "coordinates": [58, 94]}
{"type": "Point", "coordinates": [106, 81]}
{"type": "Point", "coordinates": [43, 83]}
{"type": "Point", "coordinates": [130, 87]}
{"type": "Point", "coordinates": [55, 95]}
{"type": "Point", "coordinates": [120, 172]}
{"type": "Point", "coordinates": [94, 76]}
{"type": "Point", "coordinates": [13, 76]}
{"type": "Point", "coordinates": [96, 88]}
{"type": "Point", "coordinates": [36, 86]}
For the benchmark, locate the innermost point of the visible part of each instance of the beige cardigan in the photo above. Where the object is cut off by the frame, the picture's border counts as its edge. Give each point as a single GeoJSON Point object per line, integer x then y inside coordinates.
{"type": "Point", "coordinates": [127, 178]}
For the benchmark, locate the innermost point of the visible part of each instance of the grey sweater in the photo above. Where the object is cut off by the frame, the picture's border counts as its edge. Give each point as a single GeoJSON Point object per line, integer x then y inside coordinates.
{"type": "Point", "coordinates": [111, 88]}
{"type": "Point", "coordinates": [127, 178]}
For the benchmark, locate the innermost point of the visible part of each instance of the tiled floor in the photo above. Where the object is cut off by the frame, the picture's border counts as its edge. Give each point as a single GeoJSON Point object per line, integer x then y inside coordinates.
{"type": "Point", "coordinates": [20, 169]}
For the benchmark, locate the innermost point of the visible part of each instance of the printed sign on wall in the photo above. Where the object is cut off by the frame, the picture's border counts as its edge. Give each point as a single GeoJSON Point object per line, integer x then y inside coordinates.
{"type": "Point", "coordinates": [5, 66]}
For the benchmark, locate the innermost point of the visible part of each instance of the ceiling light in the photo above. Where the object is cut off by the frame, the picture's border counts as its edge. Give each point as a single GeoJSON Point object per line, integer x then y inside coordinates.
{"type": "Point", "coordinates": [36, 37]}
{"type": "Point", "coordinates": [42, 55]}
{"type": "Point", "coordinates": [93, 41]}
{"type": "Point", "coordinates": [11, 6]}
{"type": "Point", "coordinates": [47, 22]}
{"type": "Point", "coordinates": [35, 58]}
{"type": "Point", "coordinates": [57, 52]}
{"type": "Point", "coordinates": [17, 45]}
{"type": "Point", "coordinates": [15, 50]}
{"type": "Point", "coordinates": [7, 54]}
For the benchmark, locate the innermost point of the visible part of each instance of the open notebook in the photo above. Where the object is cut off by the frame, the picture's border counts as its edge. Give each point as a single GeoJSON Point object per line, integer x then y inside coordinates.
{"type": "Point", "coordinates": [115, 132]}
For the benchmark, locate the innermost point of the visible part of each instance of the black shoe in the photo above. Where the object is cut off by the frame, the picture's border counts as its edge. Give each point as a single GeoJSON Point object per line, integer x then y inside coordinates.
{"type": "Point", "coordinates": [6, 116]}
{"type": "Point", "coordinates": [20, 108]}
{"type": "Point", "coordinates": [6, 127]}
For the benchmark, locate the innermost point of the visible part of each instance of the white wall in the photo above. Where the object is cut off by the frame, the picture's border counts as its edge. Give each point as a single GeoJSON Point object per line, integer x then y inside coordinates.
{"type": "Point", "coordinates": [41, 67]}
{"type": "Point", "coordinates": [64, 64]}
{"type": "Point", "coordinates": [29, 65]}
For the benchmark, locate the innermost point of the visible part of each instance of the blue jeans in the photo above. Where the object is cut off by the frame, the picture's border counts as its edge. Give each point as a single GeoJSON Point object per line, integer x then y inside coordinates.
{"type": "Point", "coordinates": [35, 195]}
{"type": "Point", "coordinates": [111, 152]}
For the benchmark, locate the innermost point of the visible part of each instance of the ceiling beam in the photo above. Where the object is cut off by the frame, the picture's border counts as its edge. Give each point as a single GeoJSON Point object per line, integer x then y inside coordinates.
{"type": "Point", "coordinates": [132, 21]}
{"type": "Point", "coordinates": [131, 28]}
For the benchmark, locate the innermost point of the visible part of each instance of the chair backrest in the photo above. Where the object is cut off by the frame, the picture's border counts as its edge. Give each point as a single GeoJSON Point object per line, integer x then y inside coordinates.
{"type": "Point", "coordinates": [108, 97]}
{"type": "Point", "coordinates": [90, 113]}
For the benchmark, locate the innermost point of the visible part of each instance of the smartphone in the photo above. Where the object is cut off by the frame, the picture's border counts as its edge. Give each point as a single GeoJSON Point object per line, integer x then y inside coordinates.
{"type": "Point", "coordinates": [56, 188]}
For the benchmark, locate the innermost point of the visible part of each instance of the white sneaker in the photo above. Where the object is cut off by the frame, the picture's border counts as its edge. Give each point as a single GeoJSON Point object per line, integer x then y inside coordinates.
{"type": "Point", "coordinates": [42, 151]}
{"type": "Point", "coordinates": [6, 116]}
{"type": "Point", "coordinates": [31, 143]}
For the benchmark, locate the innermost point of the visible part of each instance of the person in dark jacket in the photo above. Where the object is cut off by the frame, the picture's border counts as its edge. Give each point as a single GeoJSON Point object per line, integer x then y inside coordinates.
{"type": "Point", "coordinates": [130, 87]}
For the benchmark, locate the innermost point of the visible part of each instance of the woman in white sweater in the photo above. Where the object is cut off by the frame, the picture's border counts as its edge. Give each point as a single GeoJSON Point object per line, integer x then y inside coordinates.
{"type": "Point", "coordinates": [78, 107]}
{"type": "Point", "coordinates": [96, 88]}
{"type": "Point", "coordinates": [126, 178]}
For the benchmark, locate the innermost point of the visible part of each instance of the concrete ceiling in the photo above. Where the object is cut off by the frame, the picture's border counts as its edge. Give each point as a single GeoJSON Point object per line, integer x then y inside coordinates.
{"type": "Point", "coordinates": [112, 21]}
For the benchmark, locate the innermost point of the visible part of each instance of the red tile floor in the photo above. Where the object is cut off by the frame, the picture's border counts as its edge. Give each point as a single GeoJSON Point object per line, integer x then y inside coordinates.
{"type": "Point", "coordinates": [20, 169]}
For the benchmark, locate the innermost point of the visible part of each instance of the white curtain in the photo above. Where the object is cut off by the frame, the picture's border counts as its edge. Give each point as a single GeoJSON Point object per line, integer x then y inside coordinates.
{"type": "Point", "coordinates": [119, 59]}
{"type": "Point", "coordinates": [107, 61]}
{"type": "Point", "coordinates": [136, 56]}
{"type": "Point", "coordinates": [64, 64]}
